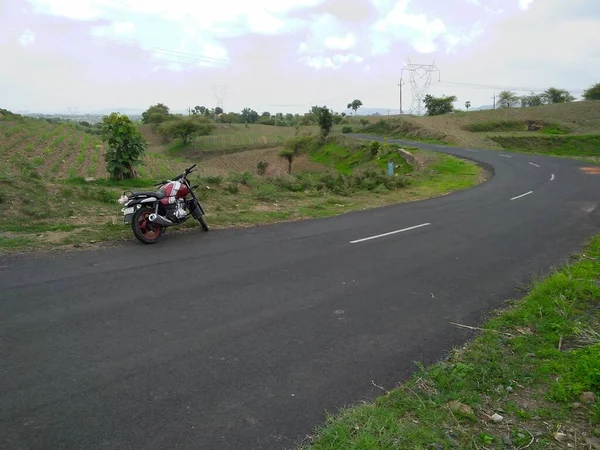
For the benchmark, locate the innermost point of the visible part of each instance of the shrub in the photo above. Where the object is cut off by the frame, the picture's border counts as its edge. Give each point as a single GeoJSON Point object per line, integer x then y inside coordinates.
{"type": "Point", "coordinates": [232, 188]}
{"type": "Point", "coordinates": [347, 130]}
{"type": "Point", "coordinates": [266, 193]}
{"type": "Point", "coordinates": [261, 167]}
{"type": "Point", "coordinates": [125, 146]}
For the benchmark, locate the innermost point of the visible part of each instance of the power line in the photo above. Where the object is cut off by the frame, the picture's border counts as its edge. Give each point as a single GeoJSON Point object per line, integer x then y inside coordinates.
{"type": "Point", "coordinates": [500, 87]}
{"type": "Point", "coordinates": [183, 57]}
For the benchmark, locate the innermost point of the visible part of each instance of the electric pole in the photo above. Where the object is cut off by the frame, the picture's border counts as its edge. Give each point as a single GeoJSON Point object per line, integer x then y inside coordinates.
{"type": "Point", "coordinates": [494, 97]}
{"type": "Point", "coordinates": [400, 85]}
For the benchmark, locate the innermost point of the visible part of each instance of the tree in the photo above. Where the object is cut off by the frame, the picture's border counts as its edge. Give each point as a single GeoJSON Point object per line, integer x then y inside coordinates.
{"type": "Point", "coordinates": [593, 93]}
{"type": "Point", "coordinates": [289, 155]}
{"type": "Point", "coordinates": [125, 146]}
{"type": "Point", "coordinates": [249, 115]}
{"type": "Point", "coordinates": [555, 95]}
{"type": "Point", "coordinates": [218, 110]}
{"type": "Point", "coordinates": [354, 105]}
{"type": "Point", "coordinates": [532, 99]}
{"type": "Point", "coordinates": [436, 106]}
{"type": "Point", "coordinates": [158, 112]}
{"type": "Point", "coordinates": [507, 99]}
{"type": "Point", "coordinates": [468, 104]}
{"type": "Point", "coordinates": [185, 128]}
{"type": "Point", "coordinates": [325, 119]}
{"type": "Point", "coordinates": [364, 122]}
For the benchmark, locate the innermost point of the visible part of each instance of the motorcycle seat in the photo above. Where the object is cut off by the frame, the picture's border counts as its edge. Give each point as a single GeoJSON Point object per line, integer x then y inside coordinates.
{"type": "Point", "coordinates": [157, 194]}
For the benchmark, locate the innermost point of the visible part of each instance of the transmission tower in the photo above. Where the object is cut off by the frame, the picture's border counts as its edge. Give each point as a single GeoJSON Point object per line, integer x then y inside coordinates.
{"type": "Point", "coordinates": [220, 92]}
{"type": "Point", "coordinates": [420, 80]}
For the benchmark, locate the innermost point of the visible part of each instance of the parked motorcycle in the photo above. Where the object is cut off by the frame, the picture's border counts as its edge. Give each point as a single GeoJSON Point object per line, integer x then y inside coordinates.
{"type": "Point", "coordinates": [150, 213]}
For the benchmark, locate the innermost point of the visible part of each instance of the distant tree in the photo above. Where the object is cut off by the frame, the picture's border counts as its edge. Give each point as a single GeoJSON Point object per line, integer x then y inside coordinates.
{"type": "Point", "coordinates": [228, 118]}
{"type": "Point", "coordinates": [555, 95]}
{"type": "Point", "coordinates": [266, 114]}
{"type": "Point", "coordinates": [125, 146]}
{"type": "Point", "coordinates": [436, 106]}
{"type": "Point", "coordinates": [593, 93]}
{"type": "Point", "coordinates": [159, 112]}
{"type": "Point", "coordinates": [249, 115]}
{"type": "Point", "coordinates": [468, 104]}
{"type": "Point", "coordinates": [185, 128]}
{"type": "Point", "coordinates": [325, 119]}
{"type": "Point", "coordinates": [218, 110]}
{"type": "Point", "coordinates": [507, 99]}
{"type": "Point", "coordinates": [364, 122]}
{"type": "Point", "coordinates": [289, 155]}
{"type": "Point", "coordinates": [354, 105]}
{"type": "Point", "coordinates": [532, 99]}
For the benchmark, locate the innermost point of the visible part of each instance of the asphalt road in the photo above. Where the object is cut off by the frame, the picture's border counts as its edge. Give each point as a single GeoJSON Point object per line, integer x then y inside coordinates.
{"type": "Point", "coordinates": [243, 339]}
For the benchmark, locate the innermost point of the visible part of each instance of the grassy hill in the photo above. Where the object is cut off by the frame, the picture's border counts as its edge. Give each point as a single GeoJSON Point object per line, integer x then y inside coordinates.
{"type": "Point", "coordinates": [559, 128]}
{"type": "Point", "coordinates": [54, 190]}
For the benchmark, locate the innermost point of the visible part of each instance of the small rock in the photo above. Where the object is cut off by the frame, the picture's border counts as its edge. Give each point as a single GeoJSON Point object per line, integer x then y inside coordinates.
{"type": "Point", "coordinates": [560, 437]}
{"type": "Point", "coordinates": [587, 397]}
{"type": "Point", "coordinates": [88, 179]}
{"type": "Point", "coordinates": [593, 442]}
{"type": "Point", "coordinates": [497, 418]}
{"type": "Point", "coordinates": [510, 390]}
{"type": "Point", "coordinates": [576, 405]}
{"type": "Point", "coordinates": [507, 441]}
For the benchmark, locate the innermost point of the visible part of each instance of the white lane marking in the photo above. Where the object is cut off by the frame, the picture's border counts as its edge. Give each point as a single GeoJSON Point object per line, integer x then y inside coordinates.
{"type": "Point", "coordinates": [552, 177]}
{"type": "Point", "coordinates": [533, 164]}
{"type": "Point", "coordinates": [506, 156]}
{"type": "Point", "coordinates": [522, 195]}
{"type": "Point", "coordinates": [469, 150]}
{"type": "Point", "coordinates": [387, 234]}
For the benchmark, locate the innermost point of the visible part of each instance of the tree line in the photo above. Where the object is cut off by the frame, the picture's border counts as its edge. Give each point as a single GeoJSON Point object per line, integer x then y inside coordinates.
{"type": "Point", "coordinates": [507, 99]}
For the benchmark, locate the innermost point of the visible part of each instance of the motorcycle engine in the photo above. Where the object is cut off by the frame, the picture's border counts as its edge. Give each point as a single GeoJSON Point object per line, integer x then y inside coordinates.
{"type": "Point", "coordinates": [176, 212]}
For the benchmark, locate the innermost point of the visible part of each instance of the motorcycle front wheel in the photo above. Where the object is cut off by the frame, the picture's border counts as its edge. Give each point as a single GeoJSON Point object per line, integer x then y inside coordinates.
{"type": "Point", "coordinates": [203, 223]}
{"type": "Point", "coordinates": [146, 231]}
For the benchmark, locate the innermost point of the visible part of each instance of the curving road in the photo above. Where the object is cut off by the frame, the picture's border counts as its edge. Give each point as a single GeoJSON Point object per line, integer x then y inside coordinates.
{"type": "Point", "coordinates": [242, 339]}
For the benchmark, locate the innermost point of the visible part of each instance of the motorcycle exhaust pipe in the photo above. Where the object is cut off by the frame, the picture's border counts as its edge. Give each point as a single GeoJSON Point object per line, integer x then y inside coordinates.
{"type": "Point", "coordinates": [159, 219]}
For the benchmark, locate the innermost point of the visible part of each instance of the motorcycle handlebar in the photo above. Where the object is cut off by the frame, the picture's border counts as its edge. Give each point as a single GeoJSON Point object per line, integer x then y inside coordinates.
{"type": "Point", "coordinates": [186, 173]}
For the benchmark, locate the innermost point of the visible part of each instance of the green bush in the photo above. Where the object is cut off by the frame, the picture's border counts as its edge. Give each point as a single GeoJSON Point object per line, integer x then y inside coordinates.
{"type": "Point", "coordinates": [261, 167]}
{"type": "Point", "coordinates": [266, 193]}
{"type": "Point", "coordinates": [347, 130]}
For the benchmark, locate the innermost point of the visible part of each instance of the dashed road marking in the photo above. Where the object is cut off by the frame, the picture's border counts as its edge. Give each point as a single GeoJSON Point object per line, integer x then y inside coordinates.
{"type": "Point", "coordinates": [390, 233]}
{"type": "Point", "coordinates": [522, 195]}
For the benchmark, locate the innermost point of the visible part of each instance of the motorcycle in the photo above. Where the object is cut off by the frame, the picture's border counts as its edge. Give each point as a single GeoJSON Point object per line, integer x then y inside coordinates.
{"type": "Point", "coordinates": [150, 213]}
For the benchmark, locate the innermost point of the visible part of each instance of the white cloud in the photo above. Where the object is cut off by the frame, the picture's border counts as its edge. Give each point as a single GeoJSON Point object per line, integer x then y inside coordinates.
{"type": "Point", "coordinates": [336, 61]}
{"type": "Point", "coordinates": [27, 38]}
{"type": "Point", "coordinates": [72, 9]}
{"type": "Point", "coordinates": [340, 43]}
{"type": "Point", "coordinates": [420, 31]}
{"type": "Point", "coordinates": [525, 4]}
{"type": "Point", "coordinates": [116, 30]}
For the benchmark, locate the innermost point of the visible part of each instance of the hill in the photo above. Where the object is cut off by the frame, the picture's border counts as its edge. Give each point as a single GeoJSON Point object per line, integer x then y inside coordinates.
{"type": "Point", "coordinates": [492, 128]}
{"type": "Point", "coordinates": [55, 192]}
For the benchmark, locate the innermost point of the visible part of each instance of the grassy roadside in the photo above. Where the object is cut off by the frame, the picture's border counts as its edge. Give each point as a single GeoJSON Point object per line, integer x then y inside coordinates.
{"type": "Point", "coordinates": [85, 214]}
{"type": "Point", "coordinates": [531, 379]}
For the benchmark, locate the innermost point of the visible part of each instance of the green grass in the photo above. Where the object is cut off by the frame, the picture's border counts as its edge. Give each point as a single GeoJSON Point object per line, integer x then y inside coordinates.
{"type": "Point", "coordinates": [530, 363]}
{"type": "Point", "coordinates": [239, 199]}
{"type": "Point", "coordinates": [584, 145]}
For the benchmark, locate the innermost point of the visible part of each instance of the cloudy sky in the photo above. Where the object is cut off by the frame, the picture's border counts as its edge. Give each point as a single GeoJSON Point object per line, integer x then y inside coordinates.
{"type": "Point", "coordinates": [286, 55]}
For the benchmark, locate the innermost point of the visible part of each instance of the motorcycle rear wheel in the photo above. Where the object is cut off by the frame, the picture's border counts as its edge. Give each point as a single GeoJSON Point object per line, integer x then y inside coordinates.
{"type": "Point", "coordinates": [146, 231]}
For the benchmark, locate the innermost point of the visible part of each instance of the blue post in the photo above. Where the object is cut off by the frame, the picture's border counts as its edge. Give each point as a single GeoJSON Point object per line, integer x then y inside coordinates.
{"type": "Point", "coordinates": [390, 168]}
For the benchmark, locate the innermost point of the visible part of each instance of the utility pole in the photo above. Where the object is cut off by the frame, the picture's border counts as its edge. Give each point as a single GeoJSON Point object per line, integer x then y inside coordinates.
{"type": "Point", "coordinates": [400, 85]}
{"type": "Point", "coordinates": [494, 97]}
